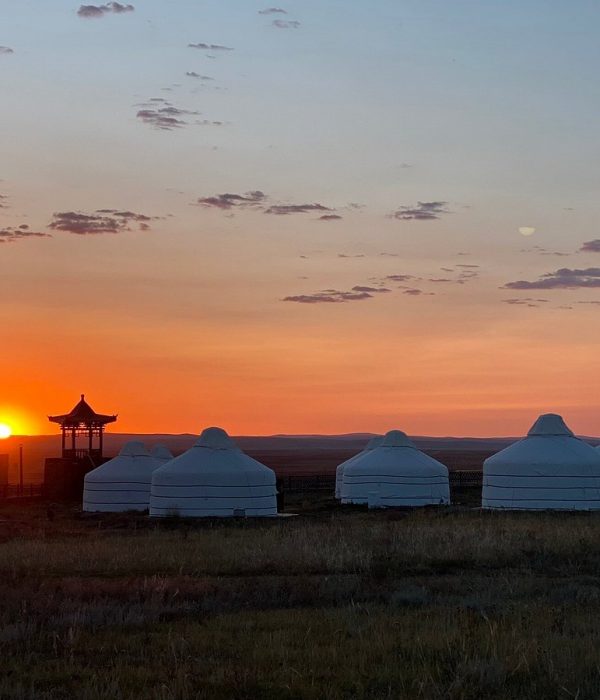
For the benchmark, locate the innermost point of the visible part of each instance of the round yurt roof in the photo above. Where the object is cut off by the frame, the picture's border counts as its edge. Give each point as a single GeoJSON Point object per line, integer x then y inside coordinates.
{"type": "Point", "coordinates": [548, 469]}
{"type": "Point", "coordinates": [550, 424]}
{"type": "Point", "coordinates": [214, 459]}
{"type": "Point", "coordinates": [396, 454]}
{"type": "Point", "coordinates": [213, 478]}
{"type": "Point", "coordinates": [133, 460]}
{"type": "Point", "coordinates": [160, 451]}
{"type": "Point", "coordinates": [549, 447]}
{"type": "Point", "coordinates": [396, 438]}
{"type": "Point", "coordinates": [134, 448]}
{"type": "Point", "coordinates": [371, 445]}
{"type": "Point", "coordinates": [215, 439]}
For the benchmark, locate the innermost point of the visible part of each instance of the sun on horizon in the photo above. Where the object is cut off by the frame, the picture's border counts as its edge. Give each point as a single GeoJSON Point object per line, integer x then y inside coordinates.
{"type": "Point", "coordinates": [5, 431]}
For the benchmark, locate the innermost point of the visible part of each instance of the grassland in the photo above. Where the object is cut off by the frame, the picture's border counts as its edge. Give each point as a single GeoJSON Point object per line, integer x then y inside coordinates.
{"type": "Point", "coordinates": [335, 604]}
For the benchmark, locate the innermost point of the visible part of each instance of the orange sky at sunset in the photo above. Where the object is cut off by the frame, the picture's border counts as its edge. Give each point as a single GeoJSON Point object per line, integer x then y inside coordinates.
{"type": "Point", "coordinates": [314, 379]}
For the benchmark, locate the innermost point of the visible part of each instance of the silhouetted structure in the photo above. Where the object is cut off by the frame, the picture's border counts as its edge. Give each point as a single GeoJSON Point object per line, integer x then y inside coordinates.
{"type": "Point", "coordinates": [82, 421]}
{"type": "Point", "coordinates": [82, 450]}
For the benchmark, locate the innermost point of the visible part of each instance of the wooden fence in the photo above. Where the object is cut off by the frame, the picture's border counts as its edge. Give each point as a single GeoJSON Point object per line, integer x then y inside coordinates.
{"type": "Point", "coordinates": [16, 491]}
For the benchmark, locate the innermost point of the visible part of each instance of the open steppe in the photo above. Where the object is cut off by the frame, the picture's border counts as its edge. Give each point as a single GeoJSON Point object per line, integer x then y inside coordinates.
{"type": "Point", "coordinates": [334, 603]}
{"type": "Point", "coordinates": [286, 454]}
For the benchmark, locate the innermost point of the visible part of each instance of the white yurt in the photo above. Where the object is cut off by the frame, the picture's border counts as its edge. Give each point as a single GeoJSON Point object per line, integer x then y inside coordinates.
{"type": "Point", "coordinates": [213, 478]}
{"type": "Point", "coordinates": [339, 472]}
{"type": "Point", "coordinates": [549, 469]}
{"type": "Point", "coordinates": [161, 452]}
{"type": "Point", "coordinates": [395, 474]}
{"type": "Point", "coordinates": [122, 483]}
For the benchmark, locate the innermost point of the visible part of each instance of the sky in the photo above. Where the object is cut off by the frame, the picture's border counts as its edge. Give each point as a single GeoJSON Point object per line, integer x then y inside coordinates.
{"type": "Point", "coordinates": [301, 218]}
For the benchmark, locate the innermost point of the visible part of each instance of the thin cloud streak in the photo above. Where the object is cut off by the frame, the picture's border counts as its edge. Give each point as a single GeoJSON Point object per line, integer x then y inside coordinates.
{"type": "Point", "coordinates": [11, 235]}
{"type": "Point", "coordinates": [286, 23]}
{"type": "Point", "coordinates": [210, 47]}
{"type": "Point", "coordinates": [198, 76]}
{"type": "Point", "coordinates": [97, 11]}
{"type": "Point", "coordinates": [285, 209]}
{"type": "Point", "coordinates": [229, 201]}
{"type": "Point", "coordinates": [329, 296]}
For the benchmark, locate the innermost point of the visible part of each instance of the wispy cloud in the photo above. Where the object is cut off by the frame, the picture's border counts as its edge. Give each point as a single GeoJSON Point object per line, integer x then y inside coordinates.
{"type": "Point", "coordinates": [272, 11]}
{"type": "Point", "coordinates": [329, 296]}
{"type": "Point", "coordinates": [101, 221]}
{"type": "Point", "coordinates": [161, 119]}
{"type": "Point", "coordinates": [258, 199]}
{"type": "Point", "coordinates": [359, 292]}
{"type": "Point", "coordinates": [11, 235]}
{"type": "Point", "coordinates": [418, 293]}
{"type": "Point", "coordinates": [565, 278]}
{"type": "Point", "coordinates": [591, 246]}
{"type": "Point", "coordinates": [464, 274]}
{"type": "Point", "coordinates": [423, 211]}
{"type": "Point", "coordinates": [286, 23]}
{"type": "Point", "coordinates": [544, 251]}
{"type": "Point", "coordinates": [92, 11]}
{"type": "Point", "coordinates": [398, 278]}
{"type": "Point", "coordinates": [228, 200]}
{"type": "Point", "coordinates": [4, 50]}
{"type": "Point", "coordinates": [467, 276]}
{"type": "Point", "coordinates": [198, 76]}
{"type": "Point", "coordinates": [529, 302]}
{"type": "Point", "coordinates": [162, 115]}
{"type": "Point", "coordinates": [284, 209]}
{"type": "Point", "coordinates": [370, 290]}
{"type": "Point", "coordinates": [210, 47]}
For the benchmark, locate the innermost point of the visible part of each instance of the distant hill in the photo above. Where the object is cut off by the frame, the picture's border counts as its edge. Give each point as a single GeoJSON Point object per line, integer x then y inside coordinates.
{"type": "Point", "coordinates": [37, 447]}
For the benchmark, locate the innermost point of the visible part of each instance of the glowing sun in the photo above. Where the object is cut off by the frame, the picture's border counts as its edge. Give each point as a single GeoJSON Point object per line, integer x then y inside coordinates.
{"type": "Point", "coordinates": [5, 431]}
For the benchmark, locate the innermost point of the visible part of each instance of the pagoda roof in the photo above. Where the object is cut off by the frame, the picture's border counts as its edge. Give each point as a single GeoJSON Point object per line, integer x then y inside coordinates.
{"type": "Point", "coordinates": [84, 414]}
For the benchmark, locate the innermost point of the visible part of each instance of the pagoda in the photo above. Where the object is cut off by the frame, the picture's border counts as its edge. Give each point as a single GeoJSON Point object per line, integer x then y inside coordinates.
{"type": "Point", "coordinates": [82, 431]}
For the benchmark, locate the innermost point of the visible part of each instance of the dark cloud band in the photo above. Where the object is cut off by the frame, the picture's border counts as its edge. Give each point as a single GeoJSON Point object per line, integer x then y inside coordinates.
{"type": "Point", "coordinates": [565, 278]}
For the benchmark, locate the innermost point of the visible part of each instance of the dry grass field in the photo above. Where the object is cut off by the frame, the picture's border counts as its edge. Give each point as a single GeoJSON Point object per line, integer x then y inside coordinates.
{"type": "Point", "coordinates": [340, 603]}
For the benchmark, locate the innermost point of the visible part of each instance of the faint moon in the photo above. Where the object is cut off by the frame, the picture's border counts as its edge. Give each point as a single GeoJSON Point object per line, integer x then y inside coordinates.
{"type": "Point", "coordinates": [526, 230]}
